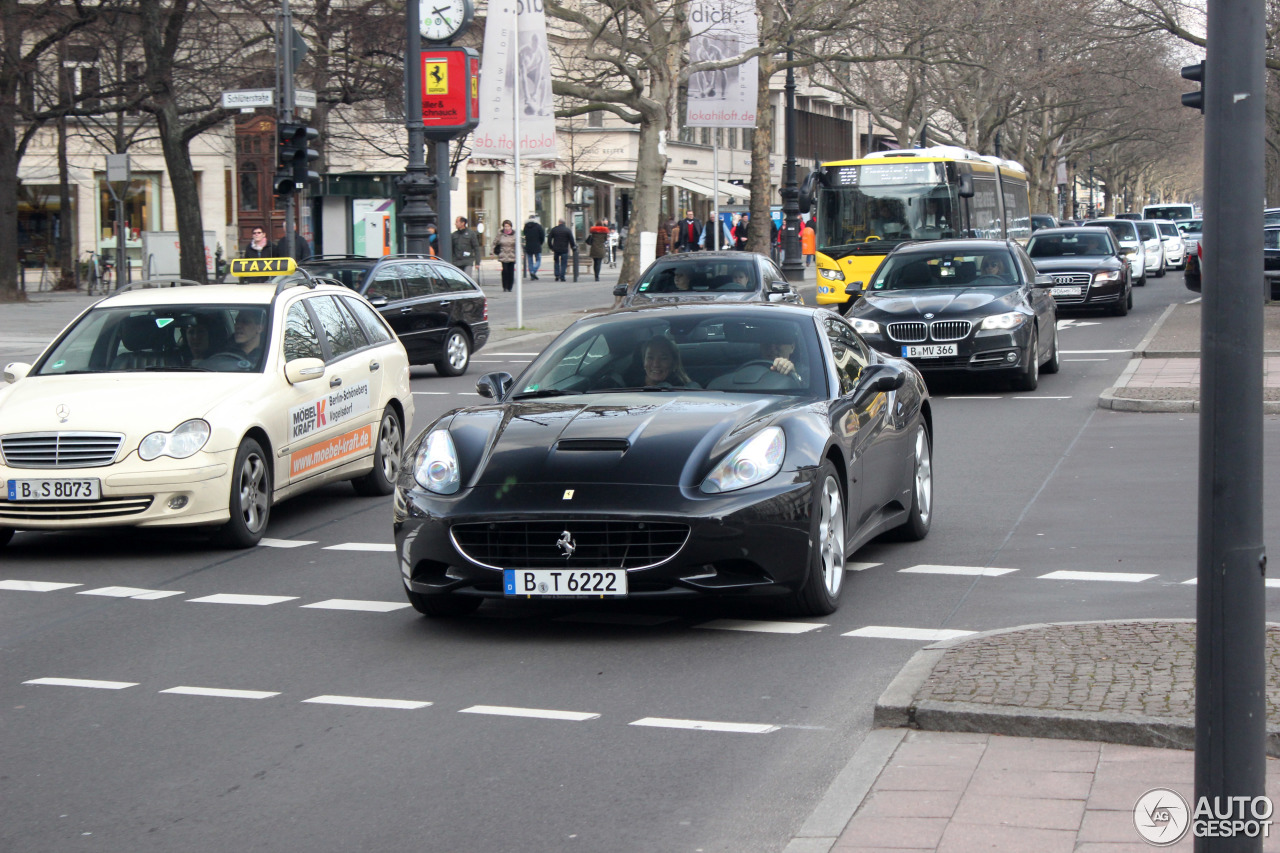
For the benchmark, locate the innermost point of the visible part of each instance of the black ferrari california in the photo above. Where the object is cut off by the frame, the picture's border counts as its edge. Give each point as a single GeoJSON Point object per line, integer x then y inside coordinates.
{"type": "Point", "coordinates": [975, 307]}
{"type": "Point", "coordinates": [667, 452]}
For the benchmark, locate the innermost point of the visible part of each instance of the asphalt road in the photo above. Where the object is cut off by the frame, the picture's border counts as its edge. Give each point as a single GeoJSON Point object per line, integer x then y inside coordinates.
{"type": "Point", "coordinates": [556, 726]}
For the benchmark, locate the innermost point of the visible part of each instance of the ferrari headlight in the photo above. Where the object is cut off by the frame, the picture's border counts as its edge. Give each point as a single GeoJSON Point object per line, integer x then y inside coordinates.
{"type": "Point", "coordinates": [184, 440]}
{"type": "Point", "coordinates": [755, 461]}
{"type": "Point", "coordinates": [1105, 276]}
{"type": "Point", "coordinates": [436, 466]}
{"type": "Point", "coordinates": [1010, 320]}
{"type": "Point", "coordinates": [833, 275]}
{"type": "Point", "coordinates": [866, 327]}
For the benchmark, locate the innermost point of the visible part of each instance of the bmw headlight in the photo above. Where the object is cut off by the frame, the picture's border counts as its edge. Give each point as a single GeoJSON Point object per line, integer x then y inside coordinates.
{"type": "Point", "coordinates": [833, 275]}
{"type": "Point", "coordinates": [866, 327]}
{"type": "Point", "coordinates": [436, 466]}
{"type": "Point", "coordinates": [755, 461]}
{"type": "Point", "coordinates": [184, 440]}
{"type": "Point", "coordinates": [1009, 320]}
{"type": "Point", "coordinates": [1105, 276]}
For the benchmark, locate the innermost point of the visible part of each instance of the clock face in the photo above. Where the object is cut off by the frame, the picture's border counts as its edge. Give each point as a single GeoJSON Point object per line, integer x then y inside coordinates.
{"type": "Point", "coordinates": [441, 20]}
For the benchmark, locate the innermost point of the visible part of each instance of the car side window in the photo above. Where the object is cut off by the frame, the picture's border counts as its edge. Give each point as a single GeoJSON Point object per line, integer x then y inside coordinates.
{"type": "Point", "coordinates": [417, 280]}
{"type": "Point", "coordinates": [1028, 268]}
{"type": "Point", "coordinates": [374, 327]}
{"type": "Point", "coordinates": [452, 280]}
{"type": "Point", "coordinates": [337, 328]}
{"type": "Point", "coordinates": [386, 284]}
{"type": "Point", "coordinates": [850, 353]}
{"type": "Point", "coordinates": [300, 338]}
{"type": "Point", "coordinates": [357, 331]}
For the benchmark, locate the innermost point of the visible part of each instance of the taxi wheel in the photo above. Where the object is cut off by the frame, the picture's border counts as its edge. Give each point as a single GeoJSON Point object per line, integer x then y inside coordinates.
{"type": "Point", "coordinates": [6, 533]}
{"type": "Point", "coordinates": [444, 605]}
{"type": "Point", "coordinates": [386, 459]}
{"type": "Point", "coordinates": [820, 594]}
{"type": "Point", "coordinates": [250, 499]}
{"type": "Point", "coordinates": [457, 354]}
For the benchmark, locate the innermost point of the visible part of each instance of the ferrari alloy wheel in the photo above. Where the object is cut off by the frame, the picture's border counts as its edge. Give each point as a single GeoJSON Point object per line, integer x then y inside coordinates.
{"type": "Point", "coordinates": [820, 594]}
{"type": "Point", "coordinates": [386, 458]}
{"type": "Point", "coordinates": [920, 516]}
{"type": "Point", "coordinates": [250, 499]}
{"type": "Point", "coordinates": [457, 354]}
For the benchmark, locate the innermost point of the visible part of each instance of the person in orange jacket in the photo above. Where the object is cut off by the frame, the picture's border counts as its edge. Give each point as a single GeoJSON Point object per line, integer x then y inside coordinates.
{"type": "Point", "coordinates": [808, 243]}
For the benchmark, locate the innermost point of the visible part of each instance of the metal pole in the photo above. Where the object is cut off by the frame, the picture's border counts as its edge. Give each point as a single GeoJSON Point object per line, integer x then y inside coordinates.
{"type": "Point", "coordinates": [714, 239]}
{"type": "Point", "coordinates": [792, 264]}
{"type": "Point", "coordinates": [444, 203]}
{"type": "Point", "coordinates": [284, 43]}
{"type": "Point", "coordinates": [515, 148]}
{"type": "Point", "coordinates": [1231, 711]}
{"type": "Point", "coordinates": [415, 184]}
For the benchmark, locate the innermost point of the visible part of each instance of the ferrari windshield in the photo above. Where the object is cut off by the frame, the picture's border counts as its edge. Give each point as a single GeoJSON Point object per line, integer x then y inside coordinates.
{"type": "Point", "coordinates": [915, 270]}
{"type": "Point", "coordinates": [165, 338]}
{"type": "Point", "coordinates": [668, 351]}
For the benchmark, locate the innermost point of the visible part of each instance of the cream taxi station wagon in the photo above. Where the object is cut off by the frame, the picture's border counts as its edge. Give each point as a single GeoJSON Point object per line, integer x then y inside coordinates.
{"type": "Point", "coordinates": [180, 404]}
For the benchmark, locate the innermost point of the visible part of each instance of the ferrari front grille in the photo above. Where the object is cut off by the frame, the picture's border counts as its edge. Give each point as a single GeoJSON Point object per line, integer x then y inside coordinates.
{"type": "Point", "coordinates": [569, 544]}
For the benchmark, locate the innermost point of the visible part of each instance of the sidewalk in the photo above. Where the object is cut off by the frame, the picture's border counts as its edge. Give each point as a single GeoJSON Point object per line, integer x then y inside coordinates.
{"type": "Point", "coordinates": [1164, 374]}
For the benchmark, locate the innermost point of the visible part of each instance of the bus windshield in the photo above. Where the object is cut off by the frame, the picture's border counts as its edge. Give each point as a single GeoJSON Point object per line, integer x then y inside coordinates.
{"type": "Point", "coordinates": [878, 207]}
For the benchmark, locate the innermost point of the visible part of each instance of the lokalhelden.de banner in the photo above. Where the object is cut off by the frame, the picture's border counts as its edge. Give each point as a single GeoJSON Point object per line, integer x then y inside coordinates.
{"type": "Point", "coordinates": [722, 30]}
{"type": "Point", "coordinates": [510, 50]}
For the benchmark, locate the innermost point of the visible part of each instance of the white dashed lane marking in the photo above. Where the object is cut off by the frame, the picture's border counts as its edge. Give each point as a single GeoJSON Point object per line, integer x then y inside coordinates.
{"type": "Point", "coordinates": [131, 592]}
{"type": "Point", "coordinates": [284, 543]}
{"type": "Point", "coordinates": [984, 571]}
{"type": "Point", "coordinates": [221, 692]}
{"type": "Point", "coordinates": [360, 546]}
{"type": "Point", "coordinates": [351, 604]}
{"type": "Point", "coordinates": [860, 567]}
{"type": "Point", "coordinates": [365, 702]}
{"type": "Point", "coordinates": [83, 682]}
{"type": "Point", "coordinates": [1272, 583]}
{"type": "Point", "coordinates": [706, 725]}
{"type": "Point", "coordinates": [35, 586]}
{"type": "Point", "coordinates": [1117, 577]}
{"type": "Point", "coordinates": [639, 619]}
{"type": "Point", "coordinates": [232, 598]}
{"type": "Point", "coordinates": [889, 632]}
{"type": "Point", "coordinates": [761, 627]}
{"type": "Point", "coordinates": [535, 713]}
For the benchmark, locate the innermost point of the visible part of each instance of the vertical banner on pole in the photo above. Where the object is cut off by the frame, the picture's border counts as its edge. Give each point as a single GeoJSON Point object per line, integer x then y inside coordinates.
{"type": "Point", "coordinates": [722, 30]}
{"type": "Point", "coordinates": [510, 50]}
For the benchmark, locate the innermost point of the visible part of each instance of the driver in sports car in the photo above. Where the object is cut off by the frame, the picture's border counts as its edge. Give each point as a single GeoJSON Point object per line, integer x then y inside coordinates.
{"type": "Point", "coordinates": [779, 351]}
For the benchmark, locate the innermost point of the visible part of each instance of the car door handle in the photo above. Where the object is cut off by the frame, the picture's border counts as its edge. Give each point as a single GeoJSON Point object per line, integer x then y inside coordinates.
{"type": "Point", "coordinates": [335, 382]}
{"type": "Point", "coordinates": [406, 310]}
{"type": "Point", "coordinates": [373, 366]}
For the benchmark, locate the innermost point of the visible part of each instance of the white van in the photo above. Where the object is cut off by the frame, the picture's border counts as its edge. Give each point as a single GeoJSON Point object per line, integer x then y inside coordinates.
{"type": "Point", "coordinates": [1169, 211]}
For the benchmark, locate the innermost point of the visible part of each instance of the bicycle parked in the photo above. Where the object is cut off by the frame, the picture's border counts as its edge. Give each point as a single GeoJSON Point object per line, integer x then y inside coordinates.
{"type": "Point", "coordinates": [100, 273]}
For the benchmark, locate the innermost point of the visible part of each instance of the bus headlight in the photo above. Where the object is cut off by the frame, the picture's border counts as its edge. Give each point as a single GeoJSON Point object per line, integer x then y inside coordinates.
{"type": "Point", "coordinates": [832, 275]}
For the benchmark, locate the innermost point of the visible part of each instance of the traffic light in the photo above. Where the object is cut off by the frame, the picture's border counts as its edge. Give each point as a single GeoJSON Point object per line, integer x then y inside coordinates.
{"type": "Point", "coordinates": [1195, 99]}
{"type": "Point", "coordinates": [293, 157]}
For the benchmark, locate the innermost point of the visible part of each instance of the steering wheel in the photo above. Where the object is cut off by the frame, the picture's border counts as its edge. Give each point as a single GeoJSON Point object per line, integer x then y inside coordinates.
{"type": "Point", "coordinates": [767, 364]}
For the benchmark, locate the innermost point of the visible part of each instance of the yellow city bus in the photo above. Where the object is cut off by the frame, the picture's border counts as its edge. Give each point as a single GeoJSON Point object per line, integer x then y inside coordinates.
{"type": "Point", "coordinates": [868, 206]}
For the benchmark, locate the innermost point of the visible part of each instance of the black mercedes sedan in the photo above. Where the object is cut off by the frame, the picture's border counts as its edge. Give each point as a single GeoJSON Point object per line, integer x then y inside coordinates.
{"type": "Point", "coordinates": [728, 276]}
{"type": "Point", "coordinates": [670, 451]}
{"type": "Point", "coordinates": [1088, 267]}
{"type": "Point", "coordinates": [973, 307]}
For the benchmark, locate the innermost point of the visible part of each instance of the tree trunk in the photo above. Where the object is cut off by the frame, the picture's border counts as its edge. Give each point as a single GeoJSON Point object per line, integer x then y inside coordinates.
{"type": "Point", "coordinates": [182, 177]}
{"type": "Point", "coordinates": [9, 163]}
{"type": "Point", "coordinates": [651, 167]}
{"type": "Point", "coordinates": [758, 229]}
{"type": "Point", "coordinates": [66, 259]}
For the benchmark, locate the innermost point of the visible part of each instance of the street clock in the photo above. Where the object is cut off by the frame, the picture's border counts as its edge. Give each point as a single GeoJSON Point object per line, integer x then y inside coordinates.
{"type": "Point", "coordinates": [443, 20]}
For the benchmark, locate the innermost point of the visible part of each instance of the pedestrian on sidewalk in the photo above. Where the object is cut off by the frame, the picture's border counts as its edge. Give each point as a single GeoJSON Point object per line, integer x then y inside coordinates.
{"type": "Point", "coordinates": [534, 236]}
{"type": "Point", "coordinates": [433, 246]}
{"type": "Point", "coordinates": [740, 232]}
{"type": "Point", "coordinates": [598, 241]}
{"type": "Point", "coordinates": [714, 235]}
{"type": "Point", "coordinates": [466, 246]}
{"type": "Point", "coordinates": [505, 248]}
{"type": "Point", "coordinates": [688, 233]}
{"type": "Point", "coordinates": [561, 241]}
{"type": "Point", "coordinates": [808, 243]}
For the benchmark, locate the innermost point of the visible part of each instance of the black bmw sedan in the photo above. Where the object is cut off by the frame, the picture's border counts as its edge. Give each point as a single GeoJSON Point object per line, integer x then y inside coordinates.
{"type": "Point", "coordinates": [670, 451]}
{"type": "Point", "coordinates": [974, 307]}
{"type": "Point", "coordinates": [1088, 267]}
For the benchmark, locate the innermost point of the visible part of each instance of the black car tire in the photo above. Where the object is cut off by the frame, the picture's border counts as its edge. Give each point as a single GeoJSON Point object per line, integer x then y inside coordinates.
{"type": "Point", "coordinates": [1160, 272]}
{"type": "Point", "coordinates": [1123, 304]}
{"type": "Point", "coordinates": [820, 594]}
{"type": "Point", "coordinates": [389, 444]}
{"type": "Point", "coordinates": [1055, 361]}
{"type": "Point", "coordinates": [1028, 379]}
{"type": "Point", "coordinates": [249, 499]}
{"type": "Point", "coordinates": [1141, 282]}
{"type": "Point", "coordinates": [455, 355]}
{"type": "Point", "coordinates": [443, 605]}
{"type": "Point", "coordinates": [920, 516]}
{"type": "Point", "coordinates": [6, 533]}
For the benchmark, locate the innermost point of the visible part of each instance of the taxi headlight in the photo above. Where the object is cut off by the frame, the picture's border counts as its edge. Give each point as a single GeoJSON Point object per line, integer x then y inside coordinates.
{"type": "Point", "coordinates": [436, 465]}
{"type": "Point", "coordinates": [756, 460]}
{"type": "Point", "coordinates": [184, 440]}
{"type": "Point", "coordinates": [866, 327]}
{"type": "Point", "coordinates": [1009, 320]}
{"type": "Point", "coordinates": [833, 275]}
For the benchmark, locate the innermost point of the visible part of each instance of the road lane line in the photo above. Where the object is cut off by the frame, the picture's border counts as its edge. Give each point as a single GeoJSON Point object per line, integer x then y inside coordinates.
{"type": "Point", "coordinates": [984, 571]}
{"type": "Point", "coordinates": [35, 586]}
{"type": "Point", "coordinates": [83, 682]}
{"type": "Point", "coordinates": [1117, 577]}
{"type": "Point", "coordinates": [360, 546]}
{"type": "Point", "coordinates": [636, 619]}
{"type": "Point", "coordinates": [221, 692]}
{"type": "Point", "coordinates": [761, 626]}
{"type": "Point", "coordinates": [889, 632]}
{"type": "Point", "coordinates": [284, 543]}
{"type": "Point", "coordinates": [232, 598]}
{"type": "Point", "coordinates": [706, 725]}
{"type": "Point", "coordinates": [1272, 583]}
{"type": "Point", "coordinates": [860, 567]}
{"type": "Point", "coordinates": [353, 604]}
{"type": "Point", "coordinates": [365, 702]}
{"type": "Point", "coordinates": [536, 713]}
{"type": "Point", "coordinates": [130, 592]}
{"type": "Point", "coordinates": [1096, 351]}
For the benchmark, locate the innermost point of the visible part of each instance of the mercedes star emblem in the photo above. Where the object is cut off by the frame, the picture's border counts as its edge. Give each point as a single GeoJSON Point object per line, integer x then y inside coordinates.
{"type": "Point", "coordinates": [63, 411]}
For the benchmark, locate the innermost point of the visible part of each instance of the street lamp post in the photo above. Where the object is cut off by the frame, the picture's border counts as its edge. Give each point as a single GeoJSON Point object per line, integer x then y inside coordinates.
{"type": "Point", "coordinates": [415, 184]}
{"type": "Point", "coordinates": [792, 264]}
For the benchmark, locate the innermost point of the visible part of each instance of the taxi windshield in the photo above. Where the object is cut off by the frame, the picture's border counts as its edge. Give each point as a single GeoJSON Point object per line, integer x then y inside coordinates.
{"type": "Point", "coordinates": [169, 338]}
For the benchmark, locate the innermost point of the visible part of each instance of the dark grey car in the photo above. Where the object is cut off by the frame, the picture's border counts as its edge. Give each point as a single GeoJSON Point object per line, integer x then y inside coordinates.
{"type": "Point", "coordinates": [439, 313]}
{"type": "Point", "coordinates": [728, 276]}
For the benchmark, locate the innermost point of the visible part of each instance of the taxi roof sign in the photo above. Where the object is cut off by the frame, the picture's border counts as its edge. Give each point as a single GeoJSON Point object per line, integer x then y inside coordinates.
{"type": "Point", "coordinates": [263, 266]}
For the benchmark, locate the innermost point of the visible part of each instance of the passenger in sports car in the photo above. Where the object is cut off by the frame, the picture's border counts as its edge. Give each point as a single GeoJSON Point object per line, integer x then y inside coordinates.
{"type": "Point", "coordinates": [662, 367]}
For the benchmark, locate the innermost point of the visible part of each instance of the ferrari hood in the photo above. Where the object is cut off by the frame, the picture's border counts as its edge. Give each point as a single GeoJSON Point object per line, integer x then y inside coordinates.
{"type": "Point", "coordinates": [129, 403]}
{"type": "Point", "coordinates": [658, 438]}
{"type": "Point", "coordinates": [941, 301]}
